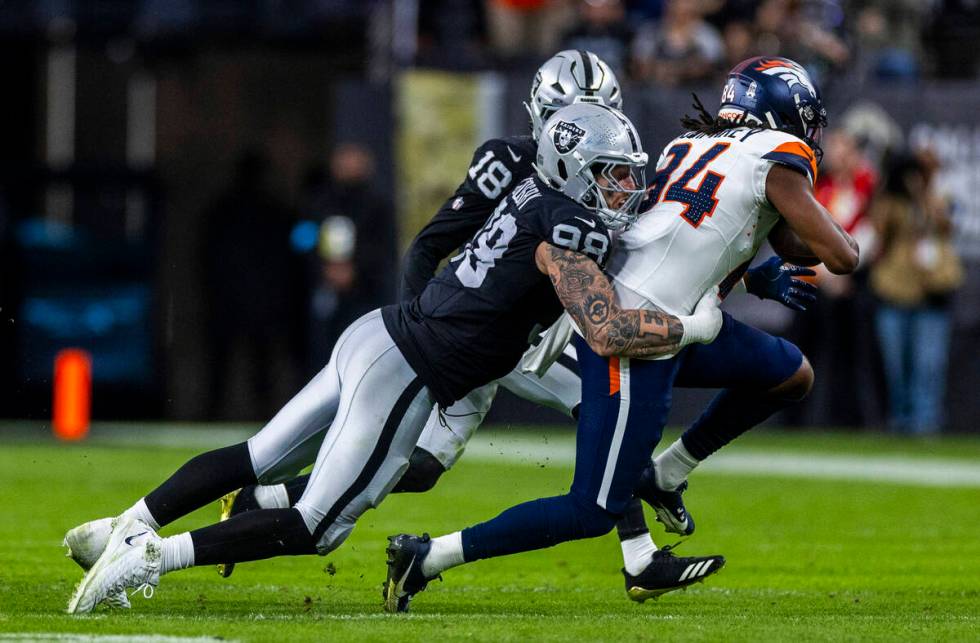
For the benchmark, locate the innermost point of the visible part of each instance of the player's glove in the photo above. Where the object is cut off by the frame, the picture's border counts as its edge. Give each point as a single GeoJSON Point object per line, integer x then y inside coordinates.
{"type": "Point", "coordinates": [705, 323]}
{"type": "Point", "coordinates": [779, 281]}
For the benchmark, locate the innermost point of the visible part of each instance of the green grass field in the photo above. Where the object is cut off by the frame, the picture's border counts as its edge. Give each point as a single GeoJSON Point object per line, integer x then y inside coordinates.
{"type": "Point", "coordinates": [810, 558]}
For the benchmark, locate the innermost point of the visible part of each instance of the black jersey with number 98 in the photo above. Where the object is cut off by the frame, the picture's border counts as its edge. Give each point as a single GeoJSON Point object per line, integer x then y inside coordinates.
{"type": "Point", "coordinates": [472, 322]}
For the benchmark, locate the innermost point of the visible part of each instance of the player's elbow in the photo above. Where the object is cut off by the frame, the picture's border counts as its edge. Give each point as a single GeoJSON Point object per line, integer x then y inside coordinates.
{"type": "Point", "coordinates": [843, 262]}
{"type": "Point", "coordinates": [600, 347]}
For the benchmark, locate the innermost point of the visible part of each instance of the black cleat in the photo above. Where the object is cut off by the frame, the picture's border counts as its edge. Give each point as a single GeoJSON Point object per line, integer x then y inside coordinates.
{"type": "Point", "coordinates": [405, 577]}
{"type": "Point", "coordinates": [233, 504]}
{"type": "Point", "coordinates": [666, 572]}
{"type": "Point", "coordinates": [668, 505]}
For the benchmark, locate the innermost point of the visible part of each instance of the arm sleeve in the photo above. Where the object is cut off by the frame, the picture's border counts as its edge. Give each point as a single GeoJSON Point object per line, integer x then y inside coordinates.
{"type": "Point", "coordinates": [445, 233]}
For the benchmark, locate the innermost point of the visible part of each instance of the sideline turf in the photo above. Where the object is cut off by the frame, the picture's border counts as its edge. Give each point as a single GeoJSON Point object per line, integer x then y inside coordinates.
{"type": "Point", "coordinates": [808, 560]}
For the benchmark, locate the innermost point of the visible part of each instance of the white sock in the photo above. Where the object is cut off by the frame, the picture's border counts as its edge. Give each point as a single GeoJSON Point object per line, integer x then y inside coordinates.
{"type": "Point", "coordinates": [141, 512]}
{"type": "Point", "coordinates": [637, 553]}
{"type": "Point", "coordinates": [272, 496]}
{"type": "Point", "coordinates": [178, 553]}
{"type": "Point", "coordinates": [446, 552]}
{"type": "Point", "coordinates": [673, 465]}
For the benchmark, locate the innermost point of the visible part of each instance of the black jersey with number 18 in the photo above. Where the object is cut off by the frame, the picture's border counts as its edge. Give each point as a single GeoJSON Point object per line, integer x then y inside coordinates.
{"type": "Point", "coordinates": [472, 322]}
{"type": "Point", "coordinates": [498, 165]}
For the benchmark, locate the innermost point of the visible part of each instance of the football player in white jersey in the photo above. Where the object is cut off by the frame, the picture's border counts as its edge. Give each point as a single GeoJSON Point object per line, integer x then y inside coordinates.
{"type": "Point", "coordinates": [721, 189]}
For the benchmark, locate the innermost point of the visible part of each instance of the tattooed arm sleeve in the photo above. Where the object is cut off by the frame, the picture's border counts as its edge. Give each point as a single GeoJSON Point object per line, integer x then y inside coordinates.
{"type": "Point", "coordinates": [587, 295]}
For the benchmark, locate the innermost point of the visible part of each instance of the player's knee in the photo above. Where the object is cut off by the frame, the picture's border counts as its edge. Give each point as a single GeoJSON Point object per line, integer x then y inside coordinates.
{"type": "Point", "coordinates": [422, 474]}
{"type": "Point", "coordinates": [797, 386]}
{"type": "Point", "coordinates": [594, 521]}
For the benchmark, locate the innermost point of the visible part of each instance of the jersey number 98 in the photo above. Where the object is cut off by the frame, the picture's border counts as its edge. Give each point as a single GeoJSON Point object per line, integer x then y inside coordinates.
{"type": "Point", "coordinates": [595, 244]}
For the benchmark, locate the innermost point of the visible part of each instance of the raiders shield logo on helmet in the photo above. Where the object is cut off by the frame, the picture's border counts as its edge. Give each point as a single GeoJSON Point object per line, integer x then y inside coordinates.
{"type": "Point", "coordinates": [567, 136]}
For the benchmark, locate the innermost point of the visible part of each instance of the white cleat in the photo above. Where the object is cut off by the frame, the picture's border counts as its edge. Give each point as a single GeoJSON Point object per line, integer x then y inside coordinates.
{"type": "Point", "coordinates": [86, 543]}
{"type": "Point", "coordinates": [131, 560]}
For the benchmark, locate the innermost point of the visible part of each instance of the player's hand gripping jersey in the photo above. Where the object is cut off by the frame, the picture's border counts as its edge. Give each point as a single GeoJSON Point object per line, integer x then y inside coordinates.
{"type": "Point", "coordinates": [709, 216]}
{"type": "Point", "coordinates": [497, 166]}
{"type": "Point", "coordinates": [473, 320]}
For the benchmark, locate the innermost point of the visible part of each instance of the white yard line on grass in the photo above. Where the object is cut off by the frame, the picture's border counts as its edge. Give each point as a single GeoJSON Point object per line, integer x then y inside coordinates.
{"type": "Point", "coordinates": [559, 449]}
{"type": "Point", "coordinates": [100, 638]}
{"type": "Point", "coordinates": [738, 461]}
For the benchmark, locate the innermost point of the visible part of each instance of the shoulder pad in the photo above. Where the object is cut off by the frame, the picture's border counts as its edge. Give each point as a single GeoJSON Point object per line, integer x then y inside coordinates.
{"type": "Point", "coordinates": [513, 151]}
{"type": "Point", "coordinates": [785, 149]}
{"type": "Point", "coordinates": [566, 224]}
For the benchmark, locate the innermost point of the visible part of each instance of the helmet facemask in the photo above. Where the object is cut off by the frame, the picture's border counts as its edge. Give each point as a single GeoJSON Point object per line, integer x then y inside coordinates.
{"type": "Point", "coordinates": [813, 128]}
{"type": "Point", "coordinates": [602, 199]}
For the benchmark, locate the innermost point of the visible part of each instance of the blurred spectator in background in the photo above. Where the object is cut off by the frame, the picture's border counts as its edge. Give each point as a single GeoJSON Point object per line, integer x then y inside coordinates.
{"type": "Point", "coordinates": [250, 278]}
{"type": "Point", "coordinates": [452, 34]}
{"type": "Point", "coordinates": [348, 236]}
{"type": "Point", "coordinates": [527, 29]}
{"type": "Point", "coordinates": [602, 28]}
{"type": "Point", "coordinates": [915, 273]}
{"type": "Point", "coordinates": [681, 48]}
{"type": "Point", "coordinates": [739, 39]}
{"type": "Point", "coordinates": [888, 38]}
{"type": "Point", "coordinates": [953, 36]}
{"type": "Point", "coordinates": [347, 191]}
{"type": "Point", "coordinates": [838, 330]}
{"type": "Point", "coordinates": [338, 296]}
{"type": "Point", "coordinates": [802, 31]}
{"type": "Point", "coordinates": [845, 185]}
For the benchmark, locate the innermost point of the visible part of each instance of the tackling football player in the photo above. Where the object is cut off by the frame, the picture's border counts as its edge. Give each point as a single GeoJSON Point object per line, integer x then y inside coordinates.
{"type": "Point", "coordinates": [719, 192]}
{"type": "Point", "coordinates": [468, 327]}
{"type": "Point", "coordinates": [567, 78]}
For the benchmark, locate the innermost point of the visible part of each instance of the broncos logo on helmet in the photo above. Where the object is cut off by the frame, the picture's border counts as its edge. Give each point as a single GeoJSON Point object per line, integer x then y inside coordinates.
{"type": "Point", "coordinates": [789, 71]}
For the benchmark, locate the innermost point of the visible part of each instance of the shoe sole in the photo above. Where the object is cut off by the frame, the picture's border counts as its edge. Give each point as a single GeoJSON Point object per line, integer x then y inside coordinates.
{"type": "Point", "coordinates": [118, 601]}
{"type": "Point", "coordinates": [227, 503]}
{"type": "Point", "coordinates": [86, 581]}
{"type": "Point", "coordinates": [671, 525]}
{"type": "Point", "coordinates": [640, 595]}
{"type": "Point", "coordinates": [393, 587]}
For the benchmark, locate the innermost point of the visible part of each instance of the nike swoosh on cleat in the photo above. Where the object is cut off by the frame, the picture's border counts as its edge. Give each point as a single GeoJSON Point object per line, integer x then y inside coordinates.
{"type": "Point", "coordinates": [128, 539]}
{"type": "Point", "coordinates": [400, 586]}
{"type": "Point", "coordinates": [517, 159]}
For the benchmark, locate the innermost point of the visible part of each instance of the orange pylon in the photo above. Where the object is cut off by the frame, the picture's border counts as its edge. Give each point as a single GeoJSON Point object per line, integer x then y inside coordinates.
{"type": "Point", "coordinates": [72, 393]}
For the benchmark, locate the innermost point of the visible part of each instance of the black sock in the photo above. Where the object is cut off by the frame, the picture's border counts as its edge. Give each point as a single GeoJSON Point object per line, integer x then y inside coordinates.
{"type": "Point", "coordinates": [730, 414]}
{"type": "Point", "coordinates": [253, 535]}
{"type": "Point", "coordinates": [632, 524]}
{"type": "Point", "coordinates": [201, 480]}
{"type": "Point", "coordinates": [295, 488]}
{"type": "Point", "coordinates": [246, 501]}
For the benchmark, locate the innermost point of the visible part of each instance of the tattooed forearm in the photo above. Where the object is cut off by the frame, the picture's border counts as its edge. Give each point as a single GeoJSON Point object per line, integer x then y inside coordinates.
{"type": "Point", "coordinates": [610, 330]}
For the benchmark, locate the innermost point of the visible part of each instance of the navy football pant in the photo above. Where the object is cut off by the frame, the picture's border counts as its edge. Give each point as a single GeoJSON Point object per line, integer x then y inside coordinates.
{"type": "Point", "coordinates": [624, 408]}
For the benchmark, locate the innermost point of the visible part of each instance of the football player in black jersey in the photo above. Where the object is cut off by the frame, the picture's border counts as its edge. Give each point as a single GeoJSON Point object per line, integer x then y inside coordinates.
{"type": "Point", "coordinates": [497, 165]}
{"type": "Point", "coordinates": [542, 251]}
